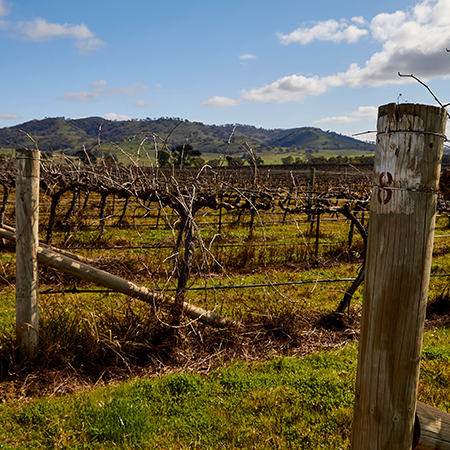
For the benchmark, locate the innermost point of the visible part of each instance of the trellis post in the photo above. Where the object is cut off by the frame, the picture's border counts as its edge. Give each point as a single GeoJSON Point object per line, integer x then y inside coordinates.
{"type": "Point", "coordinates": [401, 230]}
{"type": "Point", "coordinates": [27, 221]}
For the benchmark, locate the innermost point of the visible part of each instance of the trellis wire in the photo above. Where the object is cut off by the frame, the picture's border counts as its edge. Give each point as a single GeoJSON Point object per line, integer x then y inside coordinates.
{"type": "Point", "coordinates": [158, 247]}
{"type": "Point", "coordinates": [75, 290]}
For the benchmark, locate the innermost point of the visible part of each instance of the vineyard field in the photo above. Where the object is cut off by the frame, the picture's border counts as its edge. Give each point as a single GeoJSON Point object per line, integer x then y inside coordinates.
{"type": "Point", "coordinates": [277, 250]}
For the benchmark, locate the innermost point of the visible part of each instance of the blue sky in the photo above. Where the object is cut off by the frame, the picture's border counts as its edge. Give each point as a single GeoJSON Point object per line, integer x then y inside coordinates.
{"type": "Point", "coordinates": [271, 64]}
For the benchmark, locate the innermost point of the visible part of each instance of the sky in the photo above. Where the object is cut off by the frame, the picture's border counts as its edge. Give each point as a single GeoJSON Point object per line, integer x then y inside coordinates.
{"type": "Point", "coordinates": [266, 63]}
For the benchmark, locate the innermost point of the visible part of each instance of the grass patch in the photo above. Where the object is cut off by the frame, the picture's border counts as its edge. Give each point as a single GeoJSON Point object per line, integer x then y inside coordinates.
{"type": "Point", "coordinates": [74, 396]}
{"type": "Point", "coordinates": [281, 403]}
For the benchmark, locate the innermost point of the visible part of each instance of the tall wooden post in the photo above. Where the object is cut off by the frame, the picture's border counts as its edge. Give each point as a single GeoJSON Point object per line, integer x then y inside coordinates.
{"type": "Point", "coordinates": [401, 228]}
{"type": "Point", "coordinates": [316, 249]}
{"type": "Point", "coordinates": [310, 186]}
{"type": "Point", "coordinates": [27, 221]}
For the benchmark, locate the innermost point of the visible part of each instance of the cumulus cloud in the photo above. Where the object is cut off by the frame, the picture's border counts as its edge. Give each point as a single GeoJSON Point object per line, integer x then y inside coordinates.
{"type": "Point", "coordinates": [40, 30]}
{"type": "Point", "coordinates": [367, 112]}
{"type": "Point", "coordinates": [329, 30]}
{"type": "Point", "coordinates": [363, 112]}
{"type": "Point", "coordinates": [116, 117]}
{"type": "Point", "coordinates": [220, 102]}
{"type": "Point", "coordinates": [11, 116]}
{"type": "Point", "coordinates": [291, 88]}
{"type": "Point", "coordinates": [247, 56]}
{"type": "Point", "coordinates": [412, 41]}
{"type": "Point", "coordinates": [94, 95]}
{"type": "Point", "coordinates": [359, 20]}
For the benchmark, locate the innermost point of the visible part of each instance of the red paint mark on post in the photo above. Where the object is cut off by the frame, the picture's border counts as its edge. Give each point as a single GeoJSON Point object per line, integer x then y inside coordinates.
{"type": "Point", "coordinates": [384, 193]}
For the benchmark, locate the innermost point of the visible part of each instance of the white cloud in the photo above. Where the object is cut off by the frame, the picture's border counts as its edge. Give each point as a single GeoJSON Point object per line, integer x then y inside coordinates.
{"type": "Point", "coordinates": [363, 112]}
{"type": "Point", "coordinates": [291, 88]}
{"type": "Point", "coordinates": [82, 96]}
{"type": "Point", "coordinates": [40, 30]}
{"type": "Point", "coordinates": [116, 117]}
{"type": "Point", "coordinates": [12, 116]}
{"type": "Point", "coordinates": [141, 103]}
{"type": "Point", "coordinates": [359, 20]}
{"type": "Point", "coordinates": [99, 83]}
{"type": "Point", "coordinates": [221, 102]}
{"type": "Point", "coordinates": [337, 119]}
{"type": "Point", "coordinates": [367, 112]}
{"type": "Point", "coordinates": [412, 41]}
{"type": "Point", "coordinates": [247, 56]}
{"type": "Point", "coordinates": [135, 89]}
{"type": "Point", "coordinates": [159, 86]}
{"type": "Point", "coordinates": [89, 46]}
{"type": "Point", "coordinates": [329, 30]}
{"type": "Point", "coordinates": [4, 8]}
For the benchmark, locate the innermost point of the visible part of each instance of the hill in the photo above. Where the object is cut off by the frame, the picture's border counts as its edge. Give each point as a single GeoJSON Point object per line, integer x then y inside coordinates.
{"type": "Point", "coordinates": [70, 135]}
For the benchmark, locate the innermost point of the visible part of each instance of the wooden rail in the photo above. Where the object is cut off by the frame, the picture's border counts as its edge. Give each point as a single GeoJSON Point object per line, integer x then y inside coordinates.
{"type": "Point", "coordinates": [431, 429]}
{"type": "Point", "coordinates": [75, 265]}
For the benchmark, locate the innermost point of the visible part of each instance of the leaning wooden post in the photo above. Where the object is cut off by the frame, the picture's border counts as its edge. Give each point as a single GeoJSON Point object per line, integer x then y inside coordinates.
{"type": "Point", "coordinates": [402, 216]}
{"type": "Point", "coordinates": [27, 221]}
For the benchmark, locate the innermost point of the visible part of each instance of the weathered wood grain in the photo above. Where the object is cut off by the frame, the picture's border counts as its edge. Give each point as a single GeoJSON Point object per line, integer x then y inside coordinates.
{"type": "Point", "coordinates": [432, 429]}
{"type": "Point", "coordinates": [398, 261]}
{"type": "Point", "coordinates": [27, 221]}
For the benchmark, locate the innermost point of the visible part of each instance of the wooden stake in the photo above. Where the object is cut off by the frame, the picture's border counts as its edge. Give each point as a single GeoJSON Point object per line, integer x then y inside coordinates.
{"type": "Point", "coordinates": [316, 249]}
{"type": "Point", "coordinates": [401, 230]}
{"type": "Point", "coordinates": [27, 221]}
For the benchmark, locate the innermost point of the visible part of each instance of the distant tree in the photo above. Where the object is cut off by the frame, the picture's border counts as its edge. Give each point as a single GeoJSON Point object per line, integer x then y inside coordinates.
{"type": "Point", "coordinates": [183, 155]}
{"type": "Point", "coordinates": [110, 159]}
{"type": "Point", "coordinates": [215, 162]}
{"type": "Point", "coordinates": [287, 160]}
{"type": "Point", "coordinates": [163, 158]}
{"type": "Point", "coordinates": [197, 161]}
{"type": "Point", "coordinates": [259, 161]}
{"type": "Point", "coordinates": [180, 156]}
{"type": "Point", "coordinates": [86, 156]}
{"type": "Point", "coordinates": [235, 162]}
{"type": "Point", "coordinates": [318, 160]}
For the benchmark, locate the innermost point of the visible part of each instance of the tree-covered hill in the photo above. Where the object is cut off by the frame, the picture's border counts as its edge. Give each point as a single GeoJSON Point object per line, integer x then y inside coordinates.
{"type": "Point", "coordinates": [70, 135]}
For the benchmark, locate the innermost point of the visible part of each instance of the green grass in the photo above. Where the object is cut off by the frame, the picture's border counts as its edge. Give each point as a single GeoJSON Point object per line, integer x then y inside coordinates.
{"type": "Point", "coordinates": [280, 403]}
{"type": "Point", "coordinates": [105, 339]}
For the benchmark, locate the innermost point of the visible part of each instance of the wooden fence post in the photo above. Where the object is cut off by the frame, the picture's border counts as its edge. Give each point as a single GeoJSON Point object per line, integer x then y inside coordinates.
{"type": "Point", "coordinates": [310, 187]}
{"type": "Point", "coordinates": [27, 221]}
{"type": "Point", "coordinates": [316, 248]}
{"type": "Point", "coordinates": [401, 231]}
